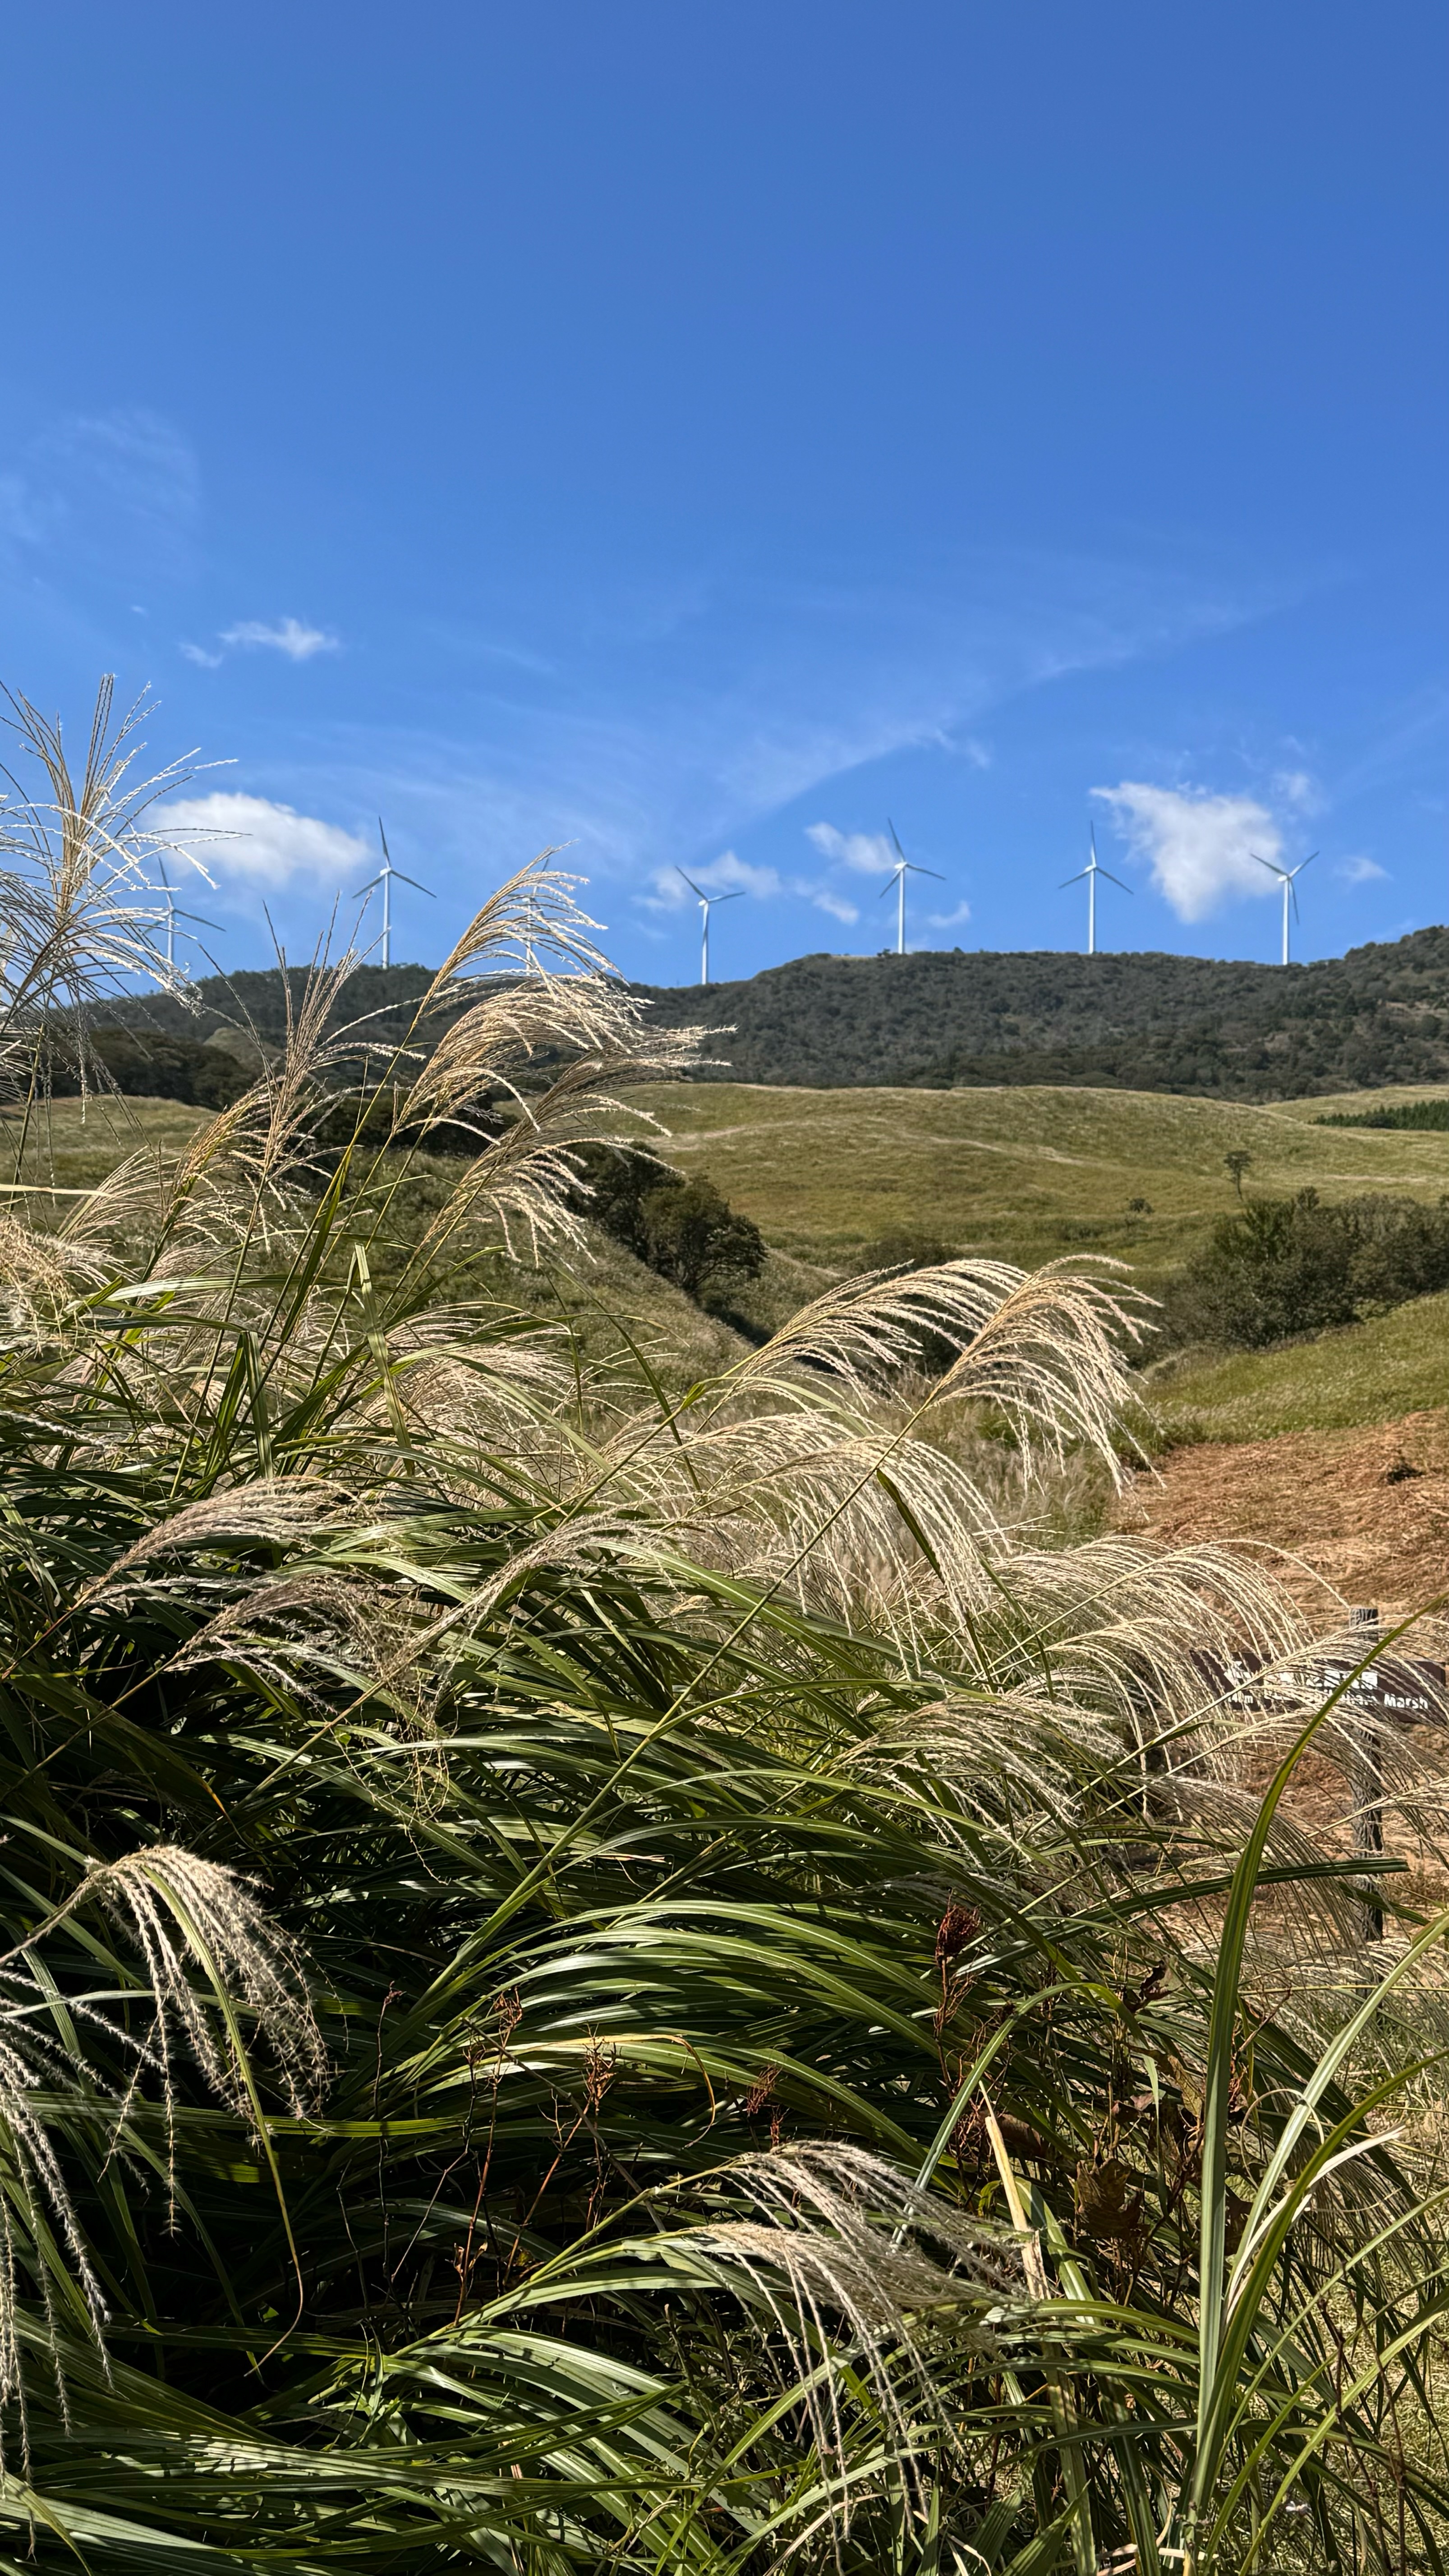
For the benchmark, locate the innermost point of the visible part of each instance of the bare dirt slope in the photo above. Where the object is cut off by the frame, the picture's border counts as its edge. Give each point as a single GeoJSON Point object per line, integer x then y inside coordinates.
{"type": "Point", "coordinates": [1338, 1502]}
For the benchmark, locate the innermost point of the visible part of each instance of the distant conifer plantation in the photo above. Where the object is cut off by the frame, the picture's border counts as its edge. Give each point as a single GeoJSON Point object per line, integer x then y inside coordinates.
{"type": "Point", "coordinates": [945, 1017]}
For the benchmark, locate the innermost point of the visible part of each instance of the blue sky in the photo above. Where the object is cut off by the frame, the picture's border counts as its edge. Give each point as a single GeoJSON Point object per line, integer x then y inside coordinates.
{"type": "Point", "coordinates": [696, 434]}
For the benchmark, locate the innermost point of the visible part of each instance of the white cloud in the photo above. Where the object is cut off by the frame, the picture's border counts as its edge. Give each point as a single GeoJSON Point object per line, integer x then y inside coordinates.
{"type": "Point", "coordinates": [730, 874]}
{"type": "Point", "coordinates": [951, 920]}
{"type": "Point", "coordinates": [867, 852]}
{"type": "Point", "coordinates": [1200, 847]}
{"type": "Point", "coordinates": [22, 516]}
{"type": "Point", "coordinates": [290, 636]}
{"type": "Point", "coordinates": [979, 753]}
{"type": "Point", "coordinates": [205, 661]}
{"type": "Point", "coordinates": [273, 845]}
{"type": "Point", "coordinates": [727, 874]}
{"type": "Point", "coordinates": [1298, 787]}
{"type": "Point", "coordinates": [1359, 870]}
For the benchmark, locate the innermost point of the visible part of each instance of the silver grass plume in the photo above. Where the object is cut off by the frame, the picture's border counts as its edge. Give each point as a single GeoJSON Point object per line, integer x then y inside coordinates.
{"type": "Point", "coordinates": [841, 2240]}
{"type": "Point", "coordinates": [79, 914]}
{"type": "Point", "coordinates": [186, 1915]}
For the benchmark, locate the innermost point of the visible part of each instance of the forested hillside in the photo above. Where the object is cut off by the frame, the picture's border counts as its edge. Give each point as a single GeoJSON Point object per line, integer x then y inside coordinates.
{"type": "Point", "coordinates": [944, 1018]}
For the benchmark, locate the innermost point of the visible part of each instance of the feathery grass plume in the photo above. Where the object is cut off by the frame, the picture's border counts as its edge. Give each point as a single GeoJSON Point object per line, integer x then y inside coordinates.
{"type": "Point", "coordinates": [185, 1914]}
{"type": "Point", "coordinates": [276, 1512]}
{"type": "Point", "coordinates": [845, 2243]}
{"type": "Point", "coordinates": [43, 2253]}
{"type": "Point", "coordinates": [126, 1211]}
{"type": "Point", "coordinates": [40, 1275]}
{"type": "Point", "coordinates": [1051, 1349]}
{"type": "Point", "coordinates": [80, 914]}
{"type": "Point", "coordinates": [236, 1174]}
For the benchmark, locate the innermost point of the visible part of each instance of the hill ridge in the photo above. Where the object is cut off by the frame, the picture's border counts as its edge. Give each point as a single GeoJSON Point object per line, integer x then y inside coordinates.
{"type": "Point", "coordinates": [941, 1019]}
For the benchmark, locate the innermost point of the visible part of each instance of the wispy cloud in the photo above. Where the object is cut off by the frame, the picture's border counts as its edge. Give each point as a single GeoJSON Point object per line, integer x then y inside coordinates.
{"type": "Point", "coordinates": [1359, 870]}
{"type": "Point", "coordinates": [867, 852]}
{"type": "Point", "coordinates": [639, 750]}
{"type": "Point", "coordinates": [265, 843]}
{"type": "Point", "coordinates": [116, 491]}
{"type": "Point", "coordinates": [950, 920]}
{"type": "Point", "coordinates": [1199, 847]}
{"type": "Point", "coordinates": [289, 636]}
{"type": "Point", "coordinates": [205, 661]}
{"type": "Point", "coordinates": [729, 874]}
{"type": "Point", "coordinates": [1300, 789]}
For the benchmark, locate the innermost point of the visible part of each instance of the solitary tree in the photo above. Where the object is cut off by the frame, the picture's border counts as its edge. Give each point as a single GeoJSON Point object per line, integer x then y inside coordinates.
{"type": "Point", "coordinates": [694, 1237]}
{"type": "Point", "coordinates": [1237, 1163]}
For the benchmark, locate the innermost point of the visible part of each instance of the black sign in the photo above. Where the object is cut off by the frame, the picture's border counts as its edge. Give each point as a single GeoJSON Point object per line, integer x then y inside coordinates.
{"type": "Point", "coordinates": [1398, 1689]}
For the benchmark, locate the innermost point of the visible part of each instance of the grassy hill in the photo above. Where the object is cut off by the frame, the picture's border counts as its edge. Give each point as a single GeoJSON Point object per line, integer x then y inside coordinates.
{"type": "Point", "coordinates": [1375, 1372]}
{"type": "Point", "coordinates": [1026, 1174]}
{"type": "Point", "coordinates": [944, 1019]}
{"type": "Point", "coordinates": [610, 1299]}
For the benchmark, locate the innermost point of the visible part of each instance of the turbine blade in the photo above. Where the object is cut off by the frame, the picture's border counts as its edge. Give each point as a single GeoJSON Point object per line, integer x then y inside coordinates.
{"type": "Point", "coordinates": [918, 871]}
{"type": "Point", "coordinates": [1076, 880]}
{"type": "Point", "coordinates": [693, 888]}
{"type": "Point", "coordinates": [728, 898]}
{"type": "Point", "coordinates": [412, 881]}
{"type": "Point", "coordinates": [1270, 864]}
{"type": "Point", "coordinates": [382, 836]}
{"type": "Point", "coordinates": [1111, 880]}
{"type": "Point", "coordinates": [895, 836]}
{"type": "Point", "coordinates": [891, 881]}
{"type": "Point", "coordinates": [370, 888]}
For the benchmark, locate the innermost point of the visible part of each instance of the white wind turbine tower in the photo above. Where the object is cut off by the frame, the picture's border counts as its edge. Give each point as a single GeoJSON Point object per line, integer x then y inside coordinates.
{"type": "Point", "coordinates": [1290, 891]}
{"type": "Point", "coordinates": [384, 878]}
{"type": "Point", "coordinates": [903, 868]}
{"type": "Point", "coordinates": [1091, 872]}
{"type": "Point", "coordinates": [177, 912]}
{"type": "Point", "coordinates": [705, 901]}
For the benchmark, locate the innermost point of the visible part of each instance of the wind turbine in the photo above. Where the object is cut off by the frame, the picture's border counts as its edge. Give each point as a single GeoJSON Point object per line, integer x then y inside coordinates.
{"type": "Point", "coordinates": [1091, 872]}
{"type": "Point", "coordinates": [705, 900]}
{"type": "Point", "coordinates": [1290, 891]}
{"type": "Point", "coordinates": [177, 912]}
{"type": "Point", "coordinates": [903, 868]}
{"type": "Point", "coordinates": [384, 878]}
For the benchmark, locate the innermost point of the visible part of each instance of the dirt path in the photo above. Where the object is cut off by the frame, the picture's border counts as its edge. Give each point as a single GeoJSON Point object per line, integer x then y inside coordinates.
{"type": "Point", "coordinates": [1338, 1501]}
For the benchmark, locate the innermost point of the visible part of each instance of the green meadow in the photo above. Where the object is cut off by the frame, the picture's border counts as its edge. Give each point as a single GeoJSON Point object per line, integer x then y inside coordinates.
{"type": "Point", "coordinates": [1023, 1174]}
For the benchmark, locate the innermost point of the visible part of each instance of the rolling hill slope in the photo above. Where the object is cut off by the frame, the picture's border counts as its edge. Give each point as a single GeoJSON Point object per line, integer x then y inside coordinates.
{"type": "Point", "coordinates": [1026, 1174]}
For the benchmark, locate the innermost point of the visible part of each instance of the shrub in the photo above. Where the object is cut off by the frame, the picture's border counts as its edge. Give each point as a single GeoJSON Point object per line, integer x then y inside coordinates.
{"type": "Point", "coordinates": [144, 1064]}
{"type": "Point", "coordinates": [377, 1121]}
{"type": "Point", "coordinates": [685, 1230]}
{"type": "Point", "coordinates": [1295, 1265]}
{"type": "Point", "coordinates": [1430, 1117]}
{"type": "Point", "coordinates": [693, 1236]}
